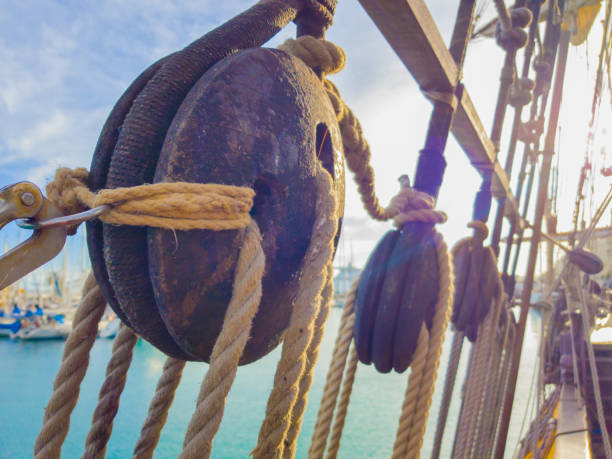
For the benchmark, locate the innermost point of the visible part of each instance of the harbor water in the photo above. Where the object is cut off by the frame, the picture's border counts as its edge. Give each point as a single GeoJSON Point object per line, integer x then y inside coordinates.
{"type": "Point", "coordinates": [28, 370]}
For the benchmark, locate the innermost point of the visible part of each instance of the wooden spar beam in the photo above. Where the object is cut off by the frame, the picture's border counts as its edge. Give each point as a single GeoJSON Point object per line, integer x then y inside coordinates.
{"type": "Point", "coordinates": [412, 33]}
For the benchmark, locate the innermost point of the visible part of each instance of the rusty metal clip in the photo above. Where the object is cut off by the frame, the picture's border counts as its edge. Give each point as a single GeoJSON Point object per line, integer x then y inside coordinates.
{"type": "Point", "coordinates": [25, 200]}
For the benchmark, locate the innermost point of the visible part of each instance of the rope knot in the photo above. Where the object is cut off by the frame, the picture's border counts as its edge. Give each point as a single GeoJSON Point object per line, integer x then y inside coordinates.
{"type": "Point", "coordinates": [481, 231]}
{"type": "Point", "coordinates": [521, 92]}
{"type": "Point", "coordinates": [62, 191]}
{"type": "Point", "coordinates": [318, 54]}
{"type": "Point", "coordinates": [515, 37]}
{"type": "Point", "coordinates": [411, 205]}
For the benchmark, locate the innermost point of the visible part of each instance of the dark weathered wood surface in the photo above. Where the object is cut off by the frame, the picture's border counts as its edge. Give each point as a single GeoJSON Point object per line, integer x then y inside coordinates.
{"type": "Point", "coordinates": [252, 120]}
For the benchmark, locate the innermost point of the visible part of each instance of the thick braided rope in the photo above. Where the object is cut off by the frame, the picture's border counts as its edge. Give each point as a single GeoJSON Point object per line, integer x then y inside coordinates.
{"type": "Point", "coordinates": [343, 402]}
{"type": "Point", "coordinates": [443, 312]}
{"type": "Point", "coordinates": [449, 385]}
{"type": "Point", "coordinates": [246, 294]}
{"type": "Point", "coordinates": [334, 376]}
{"type": "Point", "coordinates": [110, 392]}
{"type": "Point", "coordinates": [320, 54]}
{"type": "Point", "coordinates": [158, 408]}
{"type": "Point", "coordinates": [311, 360]}
{"type": "Point", "coordinates": [300, 331]}
{"type": "Point", "coordinates": [178, 205]}
{"type": "Point", "coordinates": [72, 371]}
{"type": "Point", "coordinates": [324, 55]}
{"type": "Point", "coordinates": [410, 397]}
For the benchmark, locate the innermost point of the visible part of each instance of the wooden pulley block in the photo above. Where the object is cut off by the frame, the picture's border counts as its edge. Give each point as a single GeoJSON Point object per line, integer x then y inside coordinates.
{"type": "Point", "coordinates": [397, 293]}
{"type": "Point", "coordinates": [476, 285]}
{"type": "Point", "coordinates": [260, 119]}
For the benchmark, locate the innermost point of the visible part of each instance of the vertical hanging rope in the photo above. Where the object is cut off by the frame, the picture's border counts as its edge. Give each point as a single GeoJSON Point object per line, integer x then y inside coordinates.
{"type": "Point", "coordinates": [484, 421]}
{"type": "Point", "coordinates": [311, 360]}
{"type": "Point", "coordinates": [478, 375]}
{"type": "Point", "coordinates": [410, 398]}
{"type": "Point", "coordinates": [343, 402]}
{"type": "Point", "coordinates": [334, 376]}
{"type": "Point", "coordinates": [504, 378]}
{"type": "Point", "coordinates": [246, 294]}
{"type": "Point", "coordinates": [449, 385]}
{"type": "Point", "coordinates": [72, 371]}
{"type": "Point", "coordinates": [291, 366]}
{"type": "Point", "coordinates": [487, 433]}
{"type": "Point", "coordinates": [158, 408]}
{"type": "Point", "coordinates": [110, 392]}
{"type": "Point", "coordinates": [409, 444]}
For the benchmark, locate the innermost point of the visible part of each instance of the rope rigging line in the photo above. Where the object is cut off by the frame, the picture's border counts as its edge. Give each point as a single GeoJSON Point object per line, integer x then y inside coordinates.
{"type": "Point", "coordinates": [108, 400]}
{"type": "Point", "coordinates": [299, 334]}
{"type": "Point", "coordinates": [158, 408]}
{"type": "Point", "coordinates": [75, 360]}
{"type": "Point", "coordinates": [246, 294]}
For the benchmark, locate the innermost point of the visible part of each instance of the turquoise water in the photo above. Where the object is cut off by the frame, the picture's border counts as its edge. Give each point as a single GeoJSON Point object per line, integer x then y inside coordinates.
{"type": "Point", "coordinates": [28, 370]}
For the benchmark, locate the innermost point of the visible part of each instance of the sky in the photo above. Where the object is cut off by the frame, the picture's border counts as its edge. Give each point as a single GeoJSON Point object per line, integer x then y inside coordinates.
{"type": "Point", "coordinates": [65, 63]}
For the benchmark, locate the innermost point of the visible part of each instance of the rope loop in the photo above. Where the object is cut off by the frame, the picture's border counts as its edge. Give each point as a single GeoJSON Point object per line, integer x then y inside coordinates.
{"type": "Point", "coordinates": [177, 205]}
{"type": "Point", "coordinates": [411, 205]}
{"type": "Point", "coordinates": [481, 231]}
{"type": "Point", "coordinates": [317, 54]}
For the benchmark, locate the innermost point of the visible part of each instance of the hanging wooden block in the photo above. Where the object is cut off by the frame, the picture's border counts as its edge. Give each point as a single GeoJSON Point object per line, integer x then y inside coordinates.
{"type": "Point", "coordinates": [261, 119]}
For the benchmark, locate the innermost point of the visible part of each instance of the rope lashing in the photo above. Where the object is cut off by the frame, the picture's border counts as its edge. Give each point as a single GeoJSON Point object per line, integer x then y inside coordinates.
{"type": "Point", "coordinates": [521, 92]}
{"type": "Point", "coordinates": [514, 37]}
{"type": "Point", "coordinates": [164, 206]}
{"type": "Point", "coordinates": [411, 205]}
{"type": "Point", "coordinates": [179, 205]}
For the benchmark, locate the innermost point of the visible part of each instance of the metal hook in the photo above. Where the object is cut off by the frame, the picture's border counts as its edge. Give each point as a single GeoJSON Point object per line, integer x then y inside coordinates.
{"type": "Point", "coordinates": [25, 200]}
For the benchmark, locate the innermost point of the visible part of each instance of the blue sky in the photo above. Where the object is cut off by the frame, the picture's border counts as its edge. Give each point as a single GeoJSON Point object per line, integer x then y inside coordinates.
{"type": "Point", "coordinates": [65, 63]}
